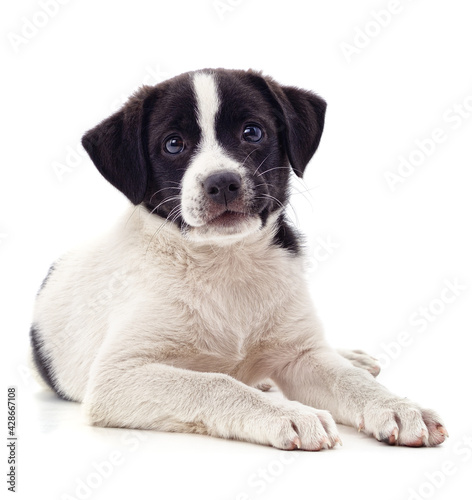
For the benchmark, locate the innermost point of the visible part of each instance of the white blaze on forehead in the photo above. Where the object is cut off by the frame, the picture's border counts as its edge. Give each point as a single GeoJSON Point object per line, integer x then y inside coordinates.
{"type": "Point", "coordinates": [208, 103]}
{"type": "Point", "coordinates": [210, 156]}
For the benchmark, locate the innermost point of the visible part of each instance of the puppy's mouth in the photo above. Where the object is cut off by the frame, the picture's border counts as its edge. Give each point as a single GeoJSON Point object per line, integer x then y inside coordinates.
{"type": "Point", "coordinates": [229, 218]}
{"type": "Point", "coordinates": [212, 218]}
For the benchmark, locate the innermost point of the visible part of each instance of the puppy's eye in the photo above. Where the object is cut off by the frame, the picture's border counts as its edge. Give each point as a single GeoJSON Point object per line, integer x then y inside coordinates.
{"type": "Point", "coordinates": [174, 145]}
{"type": "Point", "coordinates": [252, 133]}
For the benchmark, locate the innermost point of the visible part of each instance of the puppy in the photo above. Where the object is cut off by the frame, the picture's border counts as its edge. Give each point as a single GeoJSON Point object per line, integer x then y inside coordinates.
{"type": "Point", "coordinates": [197, 294]}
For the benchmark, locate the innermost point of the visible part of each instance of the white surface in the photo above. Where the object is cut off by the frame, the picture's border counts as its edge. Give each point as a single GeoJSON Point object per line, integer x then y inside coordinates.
{"type": "Point", "coordinates": [394, 249]}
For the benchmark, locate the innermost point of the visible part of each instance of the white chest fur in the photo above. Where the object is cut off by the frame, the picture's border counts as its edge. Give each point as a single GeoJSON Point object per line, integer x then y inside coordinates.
{"type": "Point", "coordinates": [198, 307]}
{"type": "Point", "coordinates": [228, 297]}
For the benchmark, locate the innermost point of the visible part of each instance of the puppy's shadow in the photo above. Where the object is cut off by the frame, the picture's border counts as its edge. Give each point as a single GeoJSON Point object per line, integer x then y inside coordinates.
{"type": "Point", "coordinates": [54, 413]}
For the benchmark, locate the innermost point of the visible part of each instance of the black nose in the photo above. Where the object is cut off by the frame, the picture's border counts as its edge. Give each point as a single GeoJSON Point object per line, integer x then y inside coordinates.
{"type": "Point", "coordinates": [222, 187]}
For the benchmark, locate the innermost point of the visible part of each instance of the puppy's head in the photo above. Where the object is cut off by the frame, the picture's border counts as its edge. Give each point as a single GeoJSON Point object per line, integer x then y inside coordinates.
{"type": "Point", "coordinates": [210, 151]}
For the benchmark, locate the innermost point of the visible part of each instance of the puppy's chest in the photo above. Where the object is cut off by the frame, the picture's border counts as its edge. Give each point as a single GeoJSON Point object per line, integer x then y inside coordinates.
{"type": "Point", "coordinates": [235, 301]}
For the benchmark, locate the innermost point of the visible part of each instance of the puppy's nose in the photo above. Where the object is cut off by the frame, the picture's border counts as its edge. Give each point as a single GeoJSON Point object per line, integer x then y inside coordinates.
{"type": "Point", "coordinates": [222, 187]}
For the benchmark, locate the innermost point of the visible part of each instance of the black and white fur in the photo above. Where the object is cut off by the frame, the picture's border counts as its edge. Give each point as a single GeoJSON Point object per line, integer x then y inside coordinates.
{"type": "Point", "coordinates": [197, 294]}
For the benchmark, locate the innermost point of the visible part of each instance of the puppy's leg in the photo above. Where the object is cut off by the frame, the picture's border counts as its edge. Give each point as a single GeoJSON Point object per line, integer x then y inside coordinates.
{"type": "Point", "coordinates": [357, 357]}
{"type": "Point", "coordinates": [318, 376]}
{"type": "Point", "coordinates": [362, 360]}
{"type": "Point", "coordinates": [128, 389]}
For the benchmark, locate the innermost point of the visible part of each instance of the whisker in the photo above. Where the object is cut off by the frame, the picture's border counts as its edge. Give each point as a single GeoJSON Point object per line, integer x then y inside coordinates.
{"type": "Point", "coordinates": [131, 215]}
{"type": "Point", "coordinates": [275, 168]}
{"type": "Point", "coordinates": [177, 215]}
{"type": "Point", "coordinates": [270, 197]}
{"type": "Point", "coordinates": [297, 220]}
{"type": "Point", "coordinates": [163, 189]}
{"type": "Point", "coordinates": [264, 184]}
{"type": "Point", "coordinates": [244, 161]}
{"type": "Point", "coordinates": [178, 211]}
{"type": "Point", "coordinates": [304, 196]}
{"type": "Point", "coordinates": [262, 163]}
{"type": "Point", "coordinates": [166, 200]}
{"type": "Point", "coordinates": [307, 190]}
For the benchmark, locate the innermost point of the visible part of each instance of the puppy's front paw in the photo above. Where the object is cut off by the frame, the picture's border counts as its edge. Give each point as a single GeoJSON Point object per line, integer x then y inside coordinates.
{"type": "Point", "coordinates": [295, 426]}
{"type": "Point", "coordinates": [265, 385]}
{"type": "Point", "coordinates": [362, 360]}
{"type": "Point", "coordinates": [399, 421]}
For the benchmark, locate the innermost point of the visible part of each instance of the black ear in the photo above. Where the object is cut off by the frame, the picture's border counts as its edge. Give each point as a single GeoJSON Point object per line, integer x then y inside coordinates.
{"type": "Point", "coordinates": [301, 115]}
{"type": "Point", "coordinates": [117, 146]}
{"type": "Point", "coordinates": [304, 114]}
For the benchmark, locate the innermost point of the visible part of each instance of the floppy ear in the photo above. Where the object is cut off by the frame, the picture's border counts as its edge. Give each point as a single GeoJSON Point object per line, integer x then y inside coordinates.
{"type": "Point", "coordinates": [301, 114]}
{"type": "Point", "coordinates": [117, 146]}
{"type": "Point", "coordinates": [304, 115]}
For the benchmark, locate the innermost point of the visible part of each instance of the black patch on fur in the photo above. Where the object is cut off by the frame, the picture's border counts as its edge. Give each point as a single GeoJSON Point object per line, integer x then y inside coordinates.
{"type": "Point", "coordinates": [43, 364]}
{"type": "Point", "coordinates": [300, 114]}
{"type": "Point", "coordinates": [48, 275]}
{"type": "Point", "coordinates": [173, 114]}
{"type": "Point", "coordinates": [242, 104]}
{"type": "Point", "coordinates": [264, 215]}
{"type": "Point", "coordinates": [286, 237]}
{"type": "Point", "coordinates": [128, 147]}
{"type": "Point", "coordinates": [117, 145]}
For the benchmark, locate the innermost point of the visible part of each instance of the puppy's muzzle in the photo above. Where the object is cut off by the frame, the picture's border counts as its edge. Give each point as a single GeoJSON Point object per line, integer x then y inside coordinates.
{"type": "Point", "coordinates": [223, 187]}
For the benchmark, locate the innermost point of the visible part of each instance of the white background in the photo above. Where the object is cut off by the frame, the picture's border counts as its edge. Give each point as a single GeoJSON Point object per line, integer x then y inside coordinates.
{"type": "Point", "coordinates": [394, 249]}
